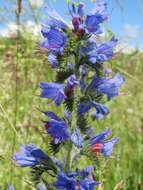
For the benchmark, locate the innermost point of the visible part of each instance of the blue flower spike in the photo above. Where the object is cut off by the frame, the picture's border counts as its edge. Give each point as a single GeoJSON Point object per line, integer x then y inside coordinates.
{"type": "Point", "coordinates": [83, 84]}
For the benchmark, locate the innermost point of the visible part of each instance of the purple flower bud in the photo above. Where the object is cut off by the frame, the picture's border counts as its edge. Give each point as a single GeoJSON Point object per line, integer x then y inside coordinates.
{"type": "Point", "coordinates": [76, 21]}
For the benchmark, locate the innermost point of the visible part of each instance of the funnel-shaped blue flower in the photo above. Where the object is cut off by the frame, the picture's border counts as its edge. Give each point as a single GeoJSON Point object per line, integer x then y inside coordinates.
{"type": "Point", "coordinates": [96, 17]}
{"type": "Point", "coordinates": [54, 20]}
{"type": "Point", "coordinates": [57, 128]}
{"type": "Point", "coordinates": [55, 40]}
{"type": "Point", "coordinates": [65, 182]}
{"type": "Point", "coordinates": [99, 138]}
{"type": "Point", "coordinates": [53, 91]}
{"type": "Point", "coordinates": [108, 86]}
{"type": "Point", "coordinates": [98, 143]}
{"type": "Point", "coordinates": [99, 52]}
{"type": "Point", "coordinates": [29, 156]}
{"type": "Point", "coordinates": [100, 112]}
{"type": "Point", "coordinates": [109, 145]}
{"type": "Point", "coordinates": [87, 182]}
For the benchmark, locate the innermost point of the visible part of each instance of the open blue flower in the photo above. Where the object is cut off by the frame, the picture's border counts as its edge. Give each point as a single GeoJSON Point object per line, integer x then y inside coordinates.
{"type": "Point", "coordinates": [29, 156]}
{"type": "Point", "coordinates": [65, 182]}
{"type": "Point", "coordinates": [108, 86]}
{"type": "Point", "coordinates": [99, 138]}
{"type": "Point", "coordinates": [101, 110]}
{"type": "Point", "coordinates": [93, 22]}
{"type": "Point", "coordinates": [99, 8]}
{"type": "Point", "coordinates": [55, 40]}
{"type": "Point", "coordinates": [79, 180]}
{"type": "Point", "coordinates": [53, 91]}
{"type": "Point", "coordinates": [108, 146]}
{"type": "Point", "coordinates": [99, 52]}
{"type": "Point", "coordinates": [95, 18]}
{"type": "Point", "coordinates": [87, 182]}
{"type": "Point", "coordinates": [57, 128]}
{"type": "Point", "coordinates": [54, 20]}
{"type": "Point", "coordinates": [98, 143]}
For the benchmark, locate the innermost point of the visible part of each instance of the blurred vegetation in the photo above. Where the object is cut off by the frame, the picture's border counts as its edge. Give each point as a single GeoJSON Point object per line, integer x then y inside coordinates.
{"type": "Point", "coordinates": [125, 168]}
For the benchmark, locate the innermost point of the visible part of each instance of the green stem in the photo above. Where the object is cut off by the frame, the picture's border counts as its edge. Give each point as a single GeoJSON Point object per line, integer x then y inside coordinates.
{"type": "Point", "coordinates": [74, 113]}
{"type": "Point", "coordinates": [69, 157]}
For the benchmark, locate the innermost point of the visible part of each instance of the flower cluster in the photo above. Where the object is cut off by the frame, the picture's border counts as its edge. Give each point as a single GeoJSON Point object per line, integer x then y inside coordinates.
{"type": "Point", "coordinates": [82, 84]}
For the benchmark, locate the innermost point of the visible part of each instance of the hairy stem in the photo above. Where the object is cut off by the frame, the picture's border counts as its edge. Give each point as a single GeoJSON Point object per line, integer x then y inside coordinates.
{"type": "Point", "coordinates": [69, 157]}
{"type": "Point", "coordinates": [74, 112]}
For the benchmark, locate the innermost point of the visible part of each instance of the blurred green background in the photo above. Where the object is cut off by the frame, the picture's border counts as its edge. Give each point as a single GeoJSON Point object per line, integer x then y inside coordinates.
{"type": "Point", "coordinates": [22, 67]}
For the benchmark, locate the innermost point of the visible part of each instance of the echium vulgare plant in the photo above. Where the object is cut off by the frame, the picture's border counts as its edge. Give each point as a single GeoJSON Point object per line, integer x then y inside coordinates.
{"type": "Point", "coordinates": [82, 86]}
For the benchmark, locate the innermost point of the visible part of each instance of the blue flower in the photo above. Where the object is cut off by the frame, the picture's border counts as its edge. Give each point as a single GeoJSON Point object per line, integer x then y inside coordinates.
{"type": "Point", "coordinates": [29, 156]}
{"type": "Point", "coordinates": [53, 91]}
{"type": "Point", "coordinates": [55, 40]}
{"type": "Point", "coordinates": [76, 138]}
{"type": "Point", "coordinates": [108, 146]}
{"type": "Point", "coordinates": [104, 51]}
{"type": "Point", "coordinates": [99, 138]}
{"type": "Point", "coordinates": [52, 58]}
{"type": "Point", "coordinates": [65, 182]}
{"type": "Point", "coordinates": [54, 20]}
{"type": "Point", "coordinates": [87, 182]}
{"type": "Point", "coordinates": [100, 112]}
{"type": "Point", "coordinates": [98, 143]}
{"type": "Point", "coordinates": [99, 52]}
{"type": "Point", "coordinates": [108, 86]}
{"type": "Point", "coordinates": [99, 8]}
{"type": "Point", "coordinates": [96, 17]}
{"type": "Point", "coordinates": [10, 187]}
{"type": "Point", "coordinates": [58, 130]}
{"type": "Point", "coordinates": [79, 180]}
{"type": "Point", "coordinates": [92, 23]}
